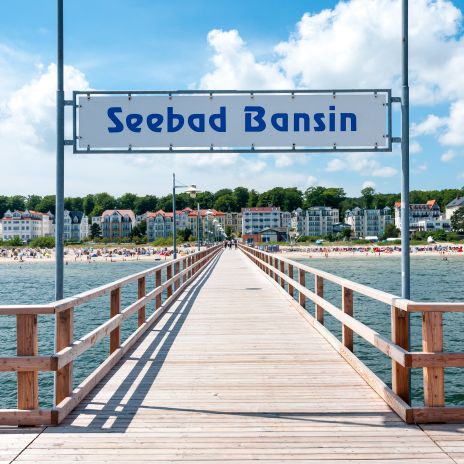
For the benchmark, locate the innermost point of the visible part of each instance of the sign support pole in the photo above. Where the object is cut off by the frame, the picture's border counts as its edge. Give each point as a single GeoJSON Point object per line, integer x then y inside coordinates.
{"type": "Point", "coordinates": [405, 252]}
{"type": "Point", "coordinates": [405, 255]}
{"type": "Point", "coordinates": [59, 203]}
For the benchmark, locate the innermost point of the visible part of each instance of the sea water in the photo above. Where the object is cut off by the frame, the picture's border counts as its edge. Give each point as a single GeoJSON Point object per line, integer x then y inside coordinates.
{"type": "Point", "coordinates": [432, 279]}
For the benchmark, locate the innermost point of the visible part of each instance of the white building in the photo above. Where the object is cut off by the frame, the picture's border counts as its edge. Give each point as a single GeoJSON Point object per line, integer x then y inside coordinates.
{"type": "Point", "coordinates": [286, 219]}
{"type": "Point", "coordinates": [423, 217]}
{"type": "Point", "coordinates": [316, 221]}
{"type": "Point", "coordinates": [159, 225]}
{"type": "Point", "coordinates": [453, 206]}
{"type": "Point", "coordinates": [234, 221]}
{"type": "Point", "coordinates": [76, 226]}
{"type": "Point", "coordinates": [117, 223]}
{"type": "Point", "coordinates": [26, 225]}
{"type": "Point", "coordinates": [368, 222]}
{"type": "Point", "coordinates": [254, 220]}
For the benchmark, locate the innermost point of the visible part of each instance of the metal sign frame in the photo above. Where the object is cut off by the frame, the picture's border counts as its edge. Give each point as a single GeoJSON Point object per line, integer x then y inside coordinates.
{"type": "Point", "coordinates": [251, 149]}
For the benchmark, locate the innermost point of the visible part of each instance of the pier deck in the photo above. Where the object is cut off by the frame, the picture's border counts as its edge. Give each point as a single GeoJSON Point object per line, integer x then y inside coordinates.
{"type": "Point", "coordinates": [233, 373]}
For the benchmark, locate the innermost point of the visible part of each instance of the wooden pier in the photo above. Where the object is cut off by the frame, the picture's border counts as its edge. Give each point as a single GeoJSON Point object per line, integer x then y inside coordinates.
{"type": "Point", "coordinates": [231, 368]}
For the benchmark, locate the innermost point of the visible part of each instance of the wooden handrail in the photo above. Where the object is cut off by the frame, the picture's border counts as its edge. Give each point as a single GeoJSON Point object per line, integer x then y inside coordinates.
{"type": "Point", "coordinates": [28, 363]}
{"type": "Point", "coordinates": [432, 359]}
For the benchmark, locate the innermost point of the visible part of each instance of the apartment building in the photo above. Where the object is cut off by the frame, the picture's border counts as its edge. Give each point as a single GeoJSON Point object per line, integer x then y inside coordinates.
{"type": "Point", "coordinates": [316, 221]}
{"type": "Point", "coordinates": [423, 217]}
{"type": "Point", "coordinates": [254, 220]}
{"type": "Point", "coordinates": [453, 206]}
{"type": "Point", "coordinates": [76, 226]}
{"type": "Point", "coordinates": [117, 223]}
{"type": "Point", "coordinates": [368, 222]}
{"type": "Point", "coordinates": [207, 226]}
{"type": "Point", "coordinates": [234, 221]}
{"type": "Point", "coordinates": [26, 225]}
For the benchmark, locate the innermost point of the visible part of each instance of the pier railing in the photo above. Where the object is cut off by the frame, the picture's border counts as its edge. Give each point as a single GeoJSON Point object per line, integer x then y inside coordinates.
{"type": "Point", "coordinates": [177, 275]}
{"type": "Point", "coordinates": [291, 277]}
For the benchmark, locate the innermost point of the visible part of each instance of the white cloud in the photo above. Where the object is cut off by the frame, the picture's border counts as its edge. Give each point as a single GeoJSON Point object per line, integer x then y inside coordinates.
{"type": "Point", "coordinates": [414, 147]}
{"type": "Point", "coordinates": [430, 125]}
{"type": "Point", "coordinates": [448, 155]}
{"type": "Point", "coordinates": [368, 183]}
{"type": "Point", "coordinates": [454, 134]}
{"type": "Point", "coordinates": [312, 181]}
{"type": "Point", "coordinates": [235, 67]}
{"type": "Point", "coordinates": [361, 163]}
{"type": "Point", "coordinates": [461, 175]}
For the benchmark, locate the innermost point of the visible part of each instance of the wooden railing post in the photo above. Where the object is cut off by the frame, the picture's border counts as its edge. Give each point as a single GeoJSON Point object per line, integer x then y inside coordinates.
{"type": "Point", "coordinates": [432, 341]}
{"type": "Point", "coordinates": [400, 336]}
{"type": "Point", "coordinates": [158, 298]}
{"type": "Point", "coordinates": [27, 345]}
{"type": "Point", "coordinates": [282, 269]}
{"type": "Point", "coordinates": [290, 274]}
{"type": "Point", "coordinates": [176, 273]}
{"type": "Point", "coordinates": [115, 309]}
{"type": "Point", "coordinates": [302, 282]}
{"type": "Point", "coordinates": [347, 308]}
{"type": "Point", "coordinates": [141, 317]}
{"type": "Point", "coordinates": [169, 276]}
{"type": "Point", "coordinates": [64, 337]}
{"type": "Point", "coordinates": [275, 265]}
{"type": "Point", "coordinates": [319, 290]}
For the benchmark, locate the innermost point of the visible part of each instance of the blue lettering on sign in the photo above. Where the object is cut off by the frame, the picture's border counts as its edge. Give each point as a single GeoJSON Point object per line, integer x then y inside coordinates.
{"type": "Point", "coordinates": [255, 120]}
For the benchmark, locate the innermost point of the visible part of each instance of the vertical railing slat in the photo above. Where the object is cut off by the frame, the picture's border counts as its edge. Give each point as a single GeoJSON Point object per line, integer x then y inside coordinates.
{"type": "Point", "coordinates": [115, 309]}
{"type": "Point", "coordinates": [27, 345]}
{"type": "Point", "coordinates": [400, 336]}
{"type": "Point", "coordinates": [302, 281]}
{"type": "Point", "coordinates": [347, 308]}
{"type": "Point", "coordinates": [432, 341]}
{"type": "Point", "coordinates": [141, 292]}
{"type": "Point", "coordinates": [319, 290]}
{"type": "Point", "coordinates": [64, 337]}
{"type": "Point", "coordinates": [290, 274]}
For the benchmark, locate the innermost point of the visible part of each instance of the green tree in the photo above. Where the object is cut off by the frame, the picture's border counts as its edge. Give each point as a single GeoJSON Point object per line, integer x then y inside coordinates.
{"type": "Point", "coordinates": [17, 202]}
{"type": "Point", "coordinates": [95, 231]}
{"type": "Point", "coordinates": [226, 202]}
{"type": "Point", "coordinates": [457, 220]}
{"type": "Point", "coordinates": [145, 203]}
{"type": "Point", "coordinates": [102, 202]}
{"type": "Point", "coordinates": [15, 241]}
{"type": "Point", "coordinates": [43, 242]}
{"type": "Point", "coordinates": [391, 231]}
{"type": "Point", "coordinates": [253, 197]}
{"type": "Point", "coordinates": [368, 195]}
{"type": "Point", "coordinates": [323, 196]}
{"type": "Point", "coordinates": [185, 234]}
{"type": "Point", "coordinates": [88, 204]}
{"type": "Point", "coordinates": [46, 204]}
{"type": "Point", "coordinates": [127, 201]}
{"type": "Point", "coordinates": [4, 205]}
{"type": "Point", "coordinates": [32, 202]}
{"type": "Point", "coordinates": [139, 231]}
{"type": "Point", "coordinates": [241, 197]}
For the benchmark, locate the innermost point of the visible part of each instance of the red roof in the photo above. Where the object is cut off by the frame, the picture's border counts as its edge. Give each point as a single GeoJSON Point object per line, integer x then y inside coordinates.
{"type": "Point", "coordinates": [122, 212]}
{"type": "Point", "coordinates": [203, 212]}
{"type": "Point", "coordinates": [259, 209]}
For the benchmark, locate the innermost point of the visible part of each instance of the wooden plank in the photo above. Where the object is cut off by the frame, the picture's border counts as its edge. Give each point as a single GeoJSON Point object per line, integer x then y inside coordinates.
{"type": "Point", "coordinates": [27, 363]}
{"type": "Point", "coordinates": [25, 417]}
{"type": "Point", "coordinates": [319, 290]}
{"type": "Point", "coordinates": [400, 336]}
{"type": "Point", "coordinates": [64, 322]}
{"type": "Point", "coordinates": [14, 310]}
{"type": "Point", "coordinates": [432, 341]}
{"type": "Point", "coordinates": [423, 359]}
{"type": "Point", "coordinates": [115, 309]}
{"type": "Point", "coordinates": [347, 308]}
{"type": "Point", "coordinates": [27, 345]}
{"type": "Point", "coordinates": [430, 415]}
{"type": "Point", "coordinates": [141, 291]}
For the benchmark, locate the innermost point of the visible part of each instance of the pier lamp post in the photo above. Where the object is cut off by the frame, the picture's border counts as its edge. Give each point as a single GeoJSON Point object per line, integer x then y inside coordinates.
{"type": "Point", "coordinates": [209, 213]}
{"type": "Point", "coordinates": [192, 191]}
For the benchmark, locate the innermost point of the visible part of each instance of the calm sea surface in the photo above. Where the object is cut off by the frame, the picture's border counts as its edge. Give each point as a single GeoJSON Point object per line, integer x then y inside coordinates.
{"type": "Point", "coordinates": [432, 280]}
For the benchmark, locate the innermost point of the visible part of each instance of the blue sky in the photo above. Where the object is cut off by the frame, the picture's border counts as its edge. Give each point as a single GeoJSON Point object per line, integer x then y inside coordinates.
{"type": "Point", "coordinates": [148, 44]}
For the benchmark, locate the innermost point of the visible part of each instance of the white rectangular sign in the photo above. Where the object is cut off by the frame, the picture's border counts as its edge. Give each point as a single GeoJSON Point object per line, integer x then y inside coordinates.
{"type": "Point", "coordinates": [228, 122]}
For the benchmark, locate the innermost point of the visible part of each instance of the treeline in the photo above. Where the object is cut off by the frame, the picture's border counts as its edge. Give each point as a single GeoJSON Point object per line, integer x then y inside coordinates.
{"type": "Point", "coordinates": [228, 200]}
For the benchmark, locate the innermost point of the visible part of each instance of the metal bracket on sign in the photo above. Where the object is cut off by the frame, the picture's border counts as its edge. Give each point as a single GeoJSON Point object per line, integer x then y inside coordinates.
{"type": "Point", "coordinates": [396, 99]}
{"type": "Point", "coordinates": [69, 142]}
{"type": "Point", "coordinates": [396, 139]}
